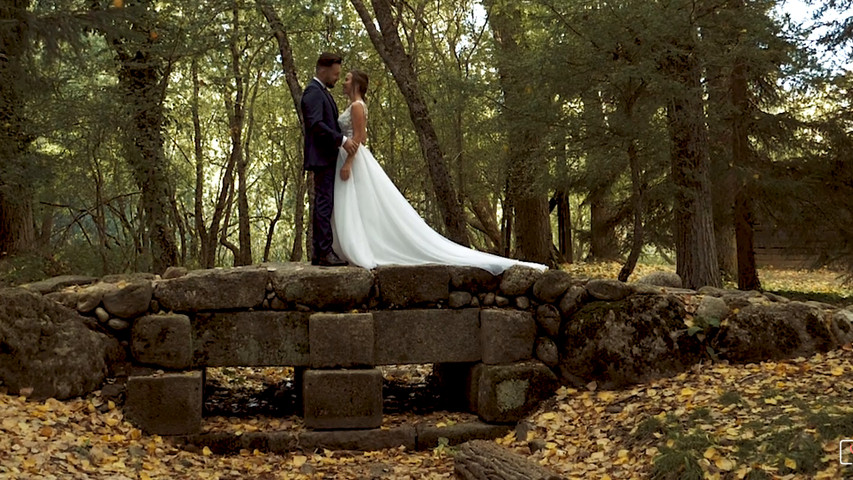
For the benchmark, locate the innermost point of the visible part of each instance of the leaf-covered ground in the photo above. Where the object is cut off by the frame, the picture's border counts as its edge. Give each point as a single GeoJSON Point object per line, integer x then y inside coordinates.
{"type": "Point", "coordinates": [770, 420]}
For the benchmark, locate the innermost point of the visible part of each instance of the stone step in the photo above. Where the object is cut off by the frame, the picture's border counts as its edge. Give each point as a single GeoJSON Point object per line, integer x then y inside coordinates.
{"type": "Point", "coordinates": [419, 436]}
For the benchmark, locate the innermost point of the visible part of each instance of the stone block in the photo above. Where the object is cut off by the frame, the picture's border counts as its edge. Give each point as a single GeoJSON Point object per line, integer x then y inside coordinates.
{"type": "Point", "coordinates": [474, 280]}
{"type": "Point", "coordinates": [165, 404]}
{"type": "Point", "coordinates": [407, 286]}
{"type": "Point", "coordinates": [360, 440]}
{"type": "Point", "coordinates": [506, 336]}
{"type": "Point", "coordinates": [427, 336]}
{"type": "Point", "coordinates": [213, 289]}
{"type": "Point", "coordinates": [250, 339]}
{"type": "Point", "coordinates": [341, 399]}
{"type": "Point", "coordinates": [507, 393]}
{"type": "Point", "coordinates": [341, 341]}
{"type": "Point", "coordinates": [163, 340]}
{"type": "Point", "coordinates": [321, 288]}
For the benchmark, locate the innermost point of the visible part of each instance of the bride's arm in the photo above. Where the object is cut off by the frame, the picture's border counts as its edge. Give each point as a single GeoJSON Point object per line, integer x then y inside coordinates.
{"type": "Point", "coordinates": [359, 126]}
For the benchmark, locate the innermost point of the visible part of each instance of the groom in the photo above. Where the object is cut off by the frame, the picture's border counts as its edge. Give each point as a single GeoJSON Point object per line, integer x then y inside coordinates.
{"type": "Point", "coordinates": [322, 138]}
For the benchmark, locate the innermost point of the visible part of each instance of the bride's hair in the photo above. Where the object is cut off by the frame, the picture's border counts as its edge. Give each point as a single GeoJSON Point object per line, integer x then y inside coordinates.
{"type": "Point", "coordinates": [360, 81]}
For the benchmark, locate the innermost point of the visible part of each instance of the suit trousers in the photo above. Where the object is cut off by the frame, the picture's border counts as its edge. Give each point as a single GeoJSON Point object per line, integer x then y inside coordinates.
{"type": "Point", "coordinates": [324, 203]}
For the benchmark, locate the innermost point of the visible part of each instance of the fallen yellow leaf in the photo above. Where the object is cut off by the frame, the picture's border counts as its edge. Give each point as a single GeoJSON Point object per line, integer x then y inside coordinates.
{"type": "Point", "coordinates": [299, 460]}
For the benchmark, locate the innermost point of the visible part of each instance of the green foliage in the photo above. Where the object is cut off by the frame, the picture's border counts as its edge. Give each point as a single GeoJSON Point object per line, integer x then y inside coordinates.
{"type": "Point", "coordinates": [676, 464]}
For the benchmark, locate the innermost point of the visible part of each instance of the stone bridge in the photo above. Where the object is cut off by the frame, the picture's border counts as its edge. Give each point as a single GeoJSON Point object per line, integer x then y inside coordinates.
{"type": "Point", "coordinates": [499, 344]}
{"type": "Point", "coordinates": [336, 325]}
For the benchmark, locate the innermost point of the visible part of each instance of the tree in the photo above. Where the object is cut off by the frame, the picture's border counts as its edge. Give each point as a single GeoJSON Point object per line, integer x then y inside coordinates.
{"type": "Point", "coordinates": [522, 104]}
{"type": "Point", "coordinates": [694, 240]}
{"type": "Point", "coordinates": [17, 232]}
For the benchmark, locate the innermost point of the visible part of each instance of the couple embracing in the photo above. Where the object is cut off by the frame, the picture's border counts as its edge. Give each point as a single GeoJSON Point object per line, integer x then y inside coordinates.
{"type": "Point", "coordinates": [359, 215]}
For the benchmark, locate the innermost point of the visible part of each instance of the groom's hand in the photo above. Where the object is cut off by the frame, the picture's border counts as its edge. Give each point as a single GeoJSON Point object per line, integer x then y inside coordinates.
{"type": "Point", "coordinates": [350, 146]}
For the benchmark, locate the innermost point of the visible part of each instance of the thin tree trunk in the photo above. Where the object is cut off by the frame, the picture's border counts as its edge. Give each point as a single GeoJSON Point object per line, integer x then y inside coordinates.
{"type": "Point", "coordinates": [696, 251]}
{"type": "Point", "coordinates": [564, 226]}
{"type": "Point", "coordinates": [203, 251]}
{"type": "Point", "coordinates": [637, 201]}
{"type": "Point", "coordinates": [238, 117]}
{"type": "Point", "coordinates": [747, 278]}
{"type": "Point", "coordinates": [387, 42]}
{"type": "Point", "coordinates": [304, 182]}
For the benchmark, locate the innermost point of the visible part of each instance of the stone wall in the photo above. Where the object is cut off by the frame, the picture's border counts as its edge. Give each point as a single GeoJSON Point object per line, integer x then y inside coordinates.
{"type": "Point", "coordinates": [503, 341]}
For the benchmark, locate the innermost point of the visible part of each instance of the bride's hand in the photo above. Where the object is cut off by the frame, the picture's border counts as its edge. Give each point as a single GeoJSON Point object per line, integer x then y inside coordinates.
{"type": "Point", "coordinates": [345, 172]}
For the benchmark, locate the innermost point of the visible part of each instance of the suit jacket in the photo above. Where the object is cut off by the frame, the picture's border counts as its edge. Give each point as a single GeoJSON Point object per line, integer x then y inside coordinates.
{"type": "Point", "coordinates": [322, 132]}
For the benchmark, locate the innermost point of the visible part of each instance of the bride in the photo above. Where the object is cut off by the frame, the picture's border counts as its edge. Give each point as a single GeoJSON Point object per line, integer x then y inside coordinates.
{"type": "Point", "coordinates": [372, 223]}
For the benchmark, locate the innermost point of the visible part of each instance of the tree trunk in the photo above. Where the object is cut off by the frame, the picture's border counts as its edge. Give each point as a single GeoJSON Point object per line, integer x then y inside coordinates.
{"type": "Point", "coordinates": [17, 230]}
{"type": "Point", "coordinates": [532, 221]}
{"type": "Point", "coordinates": [203, 252]}
{"type": "Point", "coordinates": [564, 227]}
{"type": "Point", "coordinates": [600, 174]}
{"type": "Point", "coordinates": [696, 251]}
{"type": "Point", "coordinates": [484, 460]}
{"type": "Point", "coordinates": [237, 114]}
{"type": "Point", "coordinates": [747, 274]}
{"type": "Point", "coordinates": [145, 87]}
{"type": "Point", "coordinates": [637, 202]}
{"type": "Point", "coordinates": [387, 42]}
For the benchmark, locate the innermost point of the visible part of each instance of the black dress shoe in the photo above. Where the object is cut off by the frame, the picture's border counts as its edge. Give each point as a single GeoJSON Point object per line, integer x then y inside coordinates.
{"type": "Point", "coordinates": [330, 260]}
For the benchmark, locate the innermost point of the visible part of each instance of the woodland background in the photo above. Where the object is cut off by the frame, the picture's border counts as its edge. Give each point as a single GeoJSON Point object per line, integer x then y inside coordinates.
{"type": "Point", "coordinates": [138, 134]}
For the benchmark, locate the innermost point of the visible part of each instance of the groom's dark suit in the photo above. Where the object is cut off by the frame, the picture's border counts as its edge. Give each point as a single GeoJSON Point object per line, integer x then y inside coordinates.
{"type": "Point", "coordinates": [322, 138]}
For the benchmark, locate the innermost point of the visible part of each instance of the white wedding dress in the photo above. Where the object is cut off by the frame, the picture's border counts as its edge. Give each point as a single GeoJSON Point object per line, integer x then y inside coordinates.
{"type": "Point", "coordinates": [373, 224]}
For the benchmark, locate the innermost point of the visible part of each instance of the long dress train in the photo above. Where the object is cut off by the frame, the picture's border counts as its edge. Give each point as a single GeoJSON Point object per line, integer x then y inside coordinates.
{"type": "Point", "coordinates": [373, 224]}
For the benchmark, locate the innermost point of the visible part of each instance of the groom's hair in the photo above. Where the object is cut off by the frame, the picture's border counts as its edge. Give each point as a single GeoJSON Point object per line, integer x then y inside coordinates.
{"type": "Point", "coordinates": [328, 59]}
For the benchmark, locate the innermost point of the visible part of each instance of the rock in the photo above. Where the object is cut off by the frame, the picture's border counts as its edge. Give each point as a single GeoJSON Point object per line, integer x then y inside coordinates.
{"type": "Point", "coordinates": [713, 291]}
{"type": "Point", "coordinates": [662, 279]}
{"type": "Point", "coordinates": [634, 340]}
{"type": "Point", "coordinates": [475, 302]}
{"type": "Point", "coordinates": [548, 318]}
{"type": "Point", "coordinates": [842, 326]}
{"type": "Point", "coordinates": [459, 299]}
{"type": "Point", "coordinates": [66, 298]}
{"type": "Point", "coordinates": [522, 302]}
{"type": "Point", "coordinates": [776, 298]}
{"type": "Point", "coordinates": [552, 285]}
{"type": "Point", "coordinates": [118, 324]}
{"type": "Point", "coordinates": [56, 284]}
{"type": "Point", "coordinates": [90, 297]}
{"type": "Point", "coordinates": [48, 347]}
{"type": "Point", "coordinates": [174, 272]}
{"type": "Point", "coordinates": [711, 308]}
{"type": "Point", "coordinates": [129, 300]}
{"type": "Point", "coordinates": [473, 279]}
{"type": "Point", "coordinates": [102, 315]}
{"type": "Point", "coordinates": [572, 300]}
{"type": "Point", "coordinates": [518, 279]}
{"type": "Point", "coordinates": [608, 290]}
{"type": "Point", "coordinates": [501, 301]}
{"type": "Point", "coordinates": [547, 352]}
{"type": "Point", "coordinates": [770, 332]}
{"type": "Point", "coordinates": [489, 299]}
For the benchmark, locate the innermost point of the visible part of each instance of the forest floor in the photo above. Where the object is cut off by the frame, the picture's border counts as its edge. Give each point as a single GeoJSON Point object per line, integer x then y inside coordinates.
{"type": "Point", "coordinates": [769, 420]}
